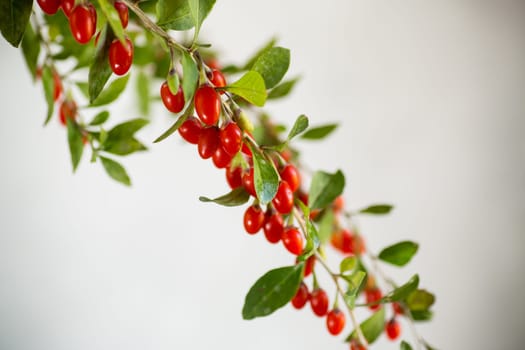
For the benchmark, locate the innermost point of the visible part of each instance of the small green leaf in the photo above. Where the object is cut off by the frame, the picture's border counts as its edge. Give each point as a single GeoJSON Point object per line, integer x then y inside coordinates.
{"type": "Point", "coordinates": [325, 187]}
{"type": "Point", "coordinates": [49, 91]}
{"type": "Point", "coordinates": [265, 178]}
{"type": "Point", "coordinates": [173, 81]}
{"type": "Point", "coordinates": [250, 87]}
{"type": "Point", "coordinates": [405, 346]}
{"type": "Point", "coordinates": [190, 76]}
{"type": "Point", "coordinates": [100, 118]}
{"type": "Point", "coordinates": [420, 300]}
{"type": "Point", "coordinates": [272, 291]}
{"type": "Point", "coordinates": [347, 264]}
{"type": "Point", "coordinates": [143, 93]}
{"type": "Point", "coordinates": [312, 240]}
{"type": "Point", "coordinates": [300, 125]}
{"type": "Point", "coordinates": [326, 226]}
{"type": "Point", "coordinates": [355, 283]}
{"type": "Point", "coordinates": [175, 125]}
{"type": "Point", "coordinates": [282, 89]}
{"type": "Point", "coordinates": [126, 129]}
{"type": "Point", "coordinates": [116, 171]}
{"type": "Point", "coordinates": [74, 138]}
{"type": "Point", "coordinates": [14, 16]}
{"type": "Point", "coordinates": [403, 291]}
{"type": "Point", "coordinates": [262, 50]}
{"type": "Point", "coordinates": [113, 18]}
{"type": "Point", "coordinates": [31, 49]}
{"type": "Point", "coordinates": [423, 315]}
{"type": "Point", "coordinates": [112, 92]}
{"type": "Point", "coordinates": [178, 15]}
{"type": "Point", "coordinates": [124, 146]}
{"type": "Point", "coordinates": [372, 327]}
{"type": "Point", "coordinates": [100, 71]}
{"type": "Point", "coordinates": [377, 209]}
{"type": "Point", "coordinates": [272, 64]}
{"type": "Point", "coordinates": [319, 132]}
{"type": "Point", "coordinates": [399, 254]}
{"type": "Point", "coordinates": [236, 197]}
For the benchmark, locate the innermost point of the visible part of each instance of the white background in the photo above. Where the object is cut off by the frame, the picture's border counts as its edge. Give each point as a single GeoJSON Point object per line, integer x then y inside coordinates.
{"type": "Point", "coordinates": [431, 100]}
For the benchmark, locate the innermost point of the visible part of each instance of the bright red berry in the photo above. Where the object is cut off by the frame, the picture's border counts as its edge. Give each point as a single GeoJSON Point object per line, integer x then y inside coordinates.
{"type": "Point", "coordinates": [123, 13]}
{"type": "Point", "coordinates": [372, 295]}
{"type": "Point", "coordinates": [82, 23]}
{"type": "Point", "coordinates": [355, 345]}
{"type": "Point", "coordinates": [190, 130]}
{"type": "Point", "coordinates": [246, 150]}
{"type": "Point", "coordinates": [398, 309]}
{"type": "Point", "coordinates": [283, 200]}
{"type": "Point", "coordinates": [213, 63]}
{"type": "Point", "coordinates": [293, 240]}
{"type": "Point", "coordinates": [291, 175]}
{"type": "Point", "coordinates": [234, 177]}
{"type": "Point", "coordinates": [173, 103]}
{"type": "Point", "coordinates": [273, 227]}
{"type": "Point", "coordinates": [120, 56]}
{"type": "Point", "coordinates": [221, 158]}
{"type": "Point", "coordinates": [208, 142]}
{"type": "Point", "coordinates": [301, 297]}
{"type": "Point", "coordinates": [335, 321]}
{"type": "Point", "coordinates": [231, 138]}
{"type": "Point", "coordinates": [68, 110]}
{"type": "Point", "coordinates": [393, 329]}
{"type": "Point", "coordinates": [248, 183]}
{"type": "Point", "coordinates": [217, 79]}
{"type": "Point", "coordinates": [49, 6]}
{"type": "Point", "coordinates": [253, 219]}
{"type": "Point", "coordinates": [207, 104]}
{"type": "Point", "coordinates": [67, 6]}
{"type": "Point", "coordinates": [309, 266]}
{"type": "Point", "coordinates": [319, 302]}
{"type": "Point", "coordinates": [338, 204]}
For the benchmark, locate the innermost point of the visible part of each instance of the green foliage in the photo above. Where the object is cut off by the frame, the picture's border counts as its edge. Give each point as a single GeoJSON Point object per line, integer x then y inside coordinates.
{"type": "Point", "coordinates": [283, 89]}
{"type": "Point", "coordinates": [190, 76]}
{"type": "Point", "coordinates": [265, 178]}
{"type": "Point", "coordinates": [236, 197]}
{"type": "Point", "coordinates": [14, 17]}
{"type": "Point", "coordinates": [76, 145]}
{"type": "Point", "coordinates": [182, 14]}
{"type": "Point", "coordinates": [100, 118]}
{"type": "Point", "coordinates": [112, 92]}
{"type": "Point", "coordinates": [400, 293]}
{"type": "Point", "coordinates": [372, 327]}
{"type": "Point", "coordinates": [199, 9]}
{"type": "Point", "coordinates": [325, 187]}
{"type": "Point", "coordinates": [100, 71]}
{"type": "Point", "coordinates": [405, 346]}
{"type": "Point", "coordinates": [263, 49]}
{"type": "Point", "coordinates": [250, 87]}
{"type": "Point", "coordinates": [31, 49]}
{"type": "Point", "coordinates": [272, 64]}
{"type": "Point", "coordinates": [420, 300]}
{"type": "Point", "coordinates": [355, 284]}
{"type": "Point", "coordinates": [319, 132]}
{"type": "Point", "coordinates": [120, 139]}
{"type": "Point", "coordinates": [377, 209]}
{"type": "Point", "coordinates": [272, 291]}
{"type": "Point", "coordinates": [300, 125]}
{"type": "Point", "coordinates": [49, 91]}
{"type": "Point", "coordinates": [175, 125]}
{"type": "Point", "coordinates": [113, 18]}
{"type": "Point", "coordinates": [399, 254]}
{"type": "Point", "coordinates": [143, 92]}
{"type": "Point", "coordinates": [326, 225]}
{"type": "Point", "coordinates": [347, 264]}
{"type": "Point", "coordinates": [115, 171]}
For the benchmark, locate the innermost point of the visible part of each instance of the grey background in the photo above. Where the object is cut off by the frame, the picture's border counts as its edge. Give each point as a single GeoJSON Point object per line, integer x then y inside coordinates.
{"type": "Point", "coordinates": [430, 97]}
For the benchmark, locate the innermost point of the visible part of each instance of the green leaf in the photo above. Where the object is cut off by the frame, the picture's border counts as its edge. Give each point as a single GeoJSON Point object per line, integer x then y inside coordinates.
{"type": "Point", "coordinates": [116, 171]}
{"type": "Point", "coordinates": [377, 209]}
{"type": "Point", "coordinates": [262, 50]}
{"type": "Point", "coordinates": [399, 254]}
{"type": "Point", "coordinates": [355, 283]}
{"type": "Point", "coordinates": [173, 81]}
{"type": "Point", "coordinates": [237, 196]}
{"type": "Point", "coordinates": [177, 14]}
{"type": "Point", "coordinates": [372, 327]}
{"type": "Point", "coordinates": [100, 71]}
{"type": "Point", "coordinates": [326, 226]}
{"type": "Point", "coordinates": [49, 91]}
{"type": "Point", "coordinates": [319, 132]}
{"type": "Point", "coordinates": [421, 315]}
{"type": "Point", "coordinates": [143, 93]}
{"type": "Point", "coordinates": [14, 16]}
{"type": "Point", "coordinates": [31, 49]}
{"type": "Point", "coordinates": [272, 291]}
{"type": "Point", "coordinates": [282, 89]}
{"type": "Point", "coordinates": [111, 93]}
{"type": "Point", "coordinates": [405, 346]}
{"type": "Point", "coordinates": [175, 125]}
{"type": "Point", "coordinates": [420, 300]}
{"type": "Point", "coordinates": [250, 87]}
{"type": "Point", "coordinates": [265, 178]}
{"type": "Point", "coordinates": [347, 264]}
{"type": "Point", "coordinates": [190, 76]}
{"type": "Point", "coordinates": [113, 18]}
{"type": "Point", "coordinates": [74, 139]}
{"type": "Point", "coordinates": [272, 64]}
{"type": "Point", "coordinates": [124, 147]}
{"type": "Point", "coordinates": [325, 187]}
{"type": "Point", "coordinates": [403, 291]}
{"type": "Point", "coordinates": [126, 129]}
{"type": "Point", "coordinates": [300, 125]}
{"type": "Point", "coordinates": [100, 118]}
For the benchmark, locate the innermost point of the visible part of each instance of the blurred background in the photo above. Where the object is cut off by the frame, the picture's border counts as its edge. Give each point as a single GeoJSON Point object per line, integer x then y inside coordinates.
{"type": "Point", "coordinates": [430, 97]}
